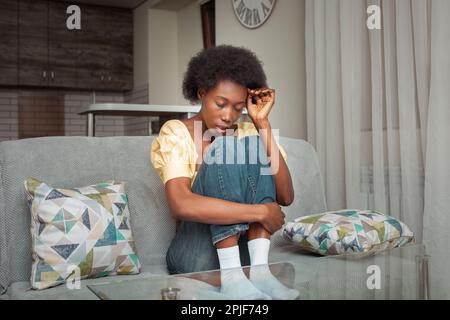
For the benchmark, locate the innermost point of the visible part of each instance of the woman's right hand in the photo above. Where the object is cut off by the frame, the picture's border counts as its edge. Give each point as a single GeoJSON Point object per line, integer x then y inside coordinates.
{"type": "Point", "coordinates": [272, 218]}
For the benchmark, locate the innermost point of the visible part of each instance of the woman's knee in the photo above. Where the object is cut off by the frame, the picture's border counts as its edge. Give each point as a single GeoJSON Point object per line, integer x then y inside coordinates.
{"type": "Point", "coordinates": [220, 171]}
{"type": "Point", "coordinates": [232, 171]}
{"type": "Point", "coordinates": [224, 150]}
{"type": "Point", "coordinates": [232, 150]}
{"type": "Point", "coordinates": [255, 151]}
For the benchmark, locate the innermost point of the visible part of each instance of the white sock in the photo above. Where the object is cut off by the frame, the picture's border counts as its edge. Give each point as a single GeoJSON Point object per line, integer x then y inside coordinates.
{"type": "Point", "coordinates": [234, 282]}
{"type": "Point", "coordinates": [259, 251]}
{"type": "Point", "coordinates": [260, 274]}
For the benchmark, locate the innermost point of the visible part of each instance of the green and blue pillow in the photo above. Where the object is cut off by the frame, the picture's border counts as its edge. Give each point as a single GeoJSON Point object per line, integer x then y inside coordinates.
{"type": "Point", "coordinates": [347, 231]}
{"type": "Point", "coordinates": [85, 229]}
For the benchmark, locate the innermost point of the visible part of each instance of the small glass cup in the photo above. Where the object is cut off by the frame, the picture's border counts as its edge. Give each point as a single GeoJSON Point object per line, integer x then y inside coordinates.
{"type": "Point", "coordinates": [169, 293]}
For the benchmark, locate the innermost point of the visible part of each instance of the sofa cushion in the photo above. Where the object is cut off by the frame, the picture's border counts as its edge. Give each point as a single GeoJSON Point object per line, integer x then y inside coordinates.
{"type": "Point", "coordinates": [87, 228]}
{"type": "Point", "coordinates": [347, 231]}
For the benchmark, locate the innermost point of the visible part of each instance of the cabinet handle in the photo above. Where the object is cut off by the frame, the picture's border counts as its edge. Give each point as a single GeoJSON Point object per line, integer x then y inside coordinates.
{"type": "Point", "coordinates": [103, 78]}
{"type": "Point", "coordinates": [109, 78]}
{"type": "Point", "coordinates": [52, 74]}
{"type": "Point", "coordinates": [44, 74]}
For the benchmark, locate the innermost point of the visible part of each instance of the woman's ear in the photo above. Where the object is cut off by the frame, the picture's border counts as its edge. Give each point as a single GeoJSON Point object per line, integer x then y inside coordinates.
{"type": "Point", "coordinates": [200, 94]}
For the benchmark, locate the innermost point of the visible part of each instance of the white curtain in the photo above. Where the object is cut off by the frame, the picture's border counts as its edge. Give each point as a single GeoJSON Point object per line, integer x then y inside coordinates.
{"type": "Point", "coordinates": [378, 114]}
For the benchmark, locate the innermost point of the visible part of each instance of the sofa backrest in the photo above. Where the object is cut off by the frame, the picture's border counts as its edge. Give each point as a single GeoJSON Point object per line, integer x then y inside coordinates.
{"type": "Point", "coordinates": [307, 181]}
{"type": "Point", "coordinates": [69, 162]}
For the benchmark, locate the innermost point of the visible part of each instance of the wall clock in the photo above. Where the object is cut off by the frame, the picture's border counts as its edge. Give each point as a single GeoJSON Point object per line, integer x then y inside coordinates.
{"type": "Point", "coordinates": [252, 13]}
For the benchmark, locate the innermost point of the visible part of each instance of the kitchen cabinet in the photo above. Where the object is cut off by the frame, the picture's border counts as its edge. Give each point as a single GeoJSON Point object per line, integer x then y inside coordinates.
{"type": "Point", "coordinates": [92, 44]}
{"type": "Point", "coordinates": [120, 48]}
{"type": "Point", "coordinates": [8, 44]}
{"type": "Point", "coordinates": [97, 57]}
{"type": "Point", "coordinates": [106, 48]}
{"type": "Point", "coordinates": [63, 50]}
{"type": "Point", "coordinates": [47, 49]}
{"type": "Point", "coordinates": [33, 43]}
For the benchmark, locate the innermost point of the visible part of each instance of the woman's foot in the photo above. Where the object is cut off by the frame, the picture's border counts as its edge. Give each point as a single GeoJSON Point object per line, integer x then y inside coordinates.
{"type": "Point", "coordinates": [263, 279]}
{"type": "Point", "coordinates": [260, 274]}
{"type": "Point", "coordinates": [235, 285]}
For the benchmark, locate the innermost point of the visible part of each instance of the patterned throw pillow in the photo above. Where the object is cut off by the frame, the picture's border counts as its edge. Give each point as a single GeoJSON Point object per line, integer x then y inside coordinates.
{"type": "Point", "coordinates": [347, 231]}
{"type": "Point", "coordinates": [85, 231]}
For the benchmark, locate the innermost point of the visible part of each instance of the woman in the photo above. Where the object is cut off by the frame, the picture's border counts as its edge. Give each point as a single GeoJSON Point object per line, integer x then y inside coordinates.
{"type": "Point", "coordinates": [225, 210]}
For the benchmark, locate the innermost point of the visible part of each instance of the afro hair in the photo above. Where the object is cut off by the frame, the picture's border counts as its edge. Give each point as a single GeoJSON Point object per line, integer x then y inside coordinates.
{"type": "Point", "coordinates": [210, 66]}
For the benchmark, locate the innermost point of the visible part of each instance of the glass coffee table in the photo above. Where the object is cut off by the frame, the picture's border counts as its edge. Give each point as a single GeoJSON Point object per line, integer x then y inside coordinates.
{"type": "Point", "coordinates": [400, 273]}
{"type": "Point", "coordinates": [188, 286]}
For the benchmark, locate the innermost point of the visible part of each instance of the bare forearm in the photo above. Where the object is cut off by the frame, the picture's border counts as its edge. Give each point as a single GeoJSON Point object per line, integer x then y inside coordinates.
{"type": "Point", "coordinates": [210, 210]}
{"type": "Point", "coordinates": [282, 176]}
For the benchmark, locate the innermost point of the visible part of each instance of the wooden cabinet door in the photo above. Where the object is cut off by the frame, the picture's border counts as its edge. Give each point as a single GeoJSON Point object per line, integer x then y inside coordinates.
{"type": "Point", "coordinates": [93, 45]}
{"type": "Point", "coordinates": [8, 43]}
{"type": "Point", "coordinates": [33, 43]}
{"type": "Point", "coordinates": [62, 48]}
{"type": "Point", "coordinates": [97, 57]}
{"type": "Point", "coordinates": [119, 23]}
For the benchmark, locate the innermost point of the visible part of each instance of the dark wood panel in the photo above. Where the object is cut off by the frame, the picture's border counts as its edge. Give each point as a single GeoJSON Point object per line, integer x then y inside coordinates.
{"type": "Point", "coordinates": [63, 48]}
{"type": "Point", "coordinates": [41, 116]}
{"type": "Point", "coordinates": [9, 42]}
{"type": "Point", "coordinates": [33, 43]}
{"type": "Point", "coordinates": [121, 71]}
{"type": "Point", "coordinates": [97, 57]}
{"type": "Point", "coordinates": [119, 23]}
{"type": "Point", "coordinates": [93, 44]}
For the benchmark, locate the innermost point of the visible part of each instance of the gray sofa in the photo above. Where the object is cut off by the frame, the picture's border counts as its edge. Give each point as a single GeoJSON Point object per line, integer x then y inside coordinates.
{"type": "Point", "coordinates": [78, 161]}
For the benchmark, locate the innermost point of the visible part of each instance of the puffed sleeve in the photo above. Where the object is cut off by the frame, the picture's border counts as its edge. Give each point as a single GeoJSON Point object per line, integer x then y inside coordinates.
{"type": "Point", "coordinates": [170, 152]}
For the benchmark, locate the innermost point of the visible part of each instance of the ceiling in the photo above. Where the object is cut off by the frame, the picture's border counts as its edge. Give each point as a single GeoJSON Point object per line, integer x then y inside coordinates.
{"type": "Point", "coordinates": [109, 3]}
{"type": "Point", "coordinates": [173, 5]}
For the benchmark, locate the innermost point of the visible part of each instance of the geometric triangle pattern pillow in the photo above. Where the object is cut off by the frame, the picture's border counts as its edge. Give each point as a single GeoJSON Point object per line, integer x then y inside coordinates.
{"type": "Point", "coordinates": [347, 231]}
{"type": "Point", "coordinates": [84, 229]}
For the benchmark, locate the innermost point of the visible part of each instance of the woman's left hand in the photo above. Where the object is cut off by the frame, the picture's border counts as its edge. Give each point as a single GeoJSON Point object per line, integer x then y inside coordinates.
{"type": "Point", "coordinates": [265, 98]}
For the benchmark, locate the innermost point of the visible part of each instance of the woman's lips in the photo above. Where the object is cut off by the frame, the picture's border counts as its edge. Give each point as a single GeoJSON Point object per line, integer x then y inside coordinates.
{"type": "Point", "coordinates": [221, 129]}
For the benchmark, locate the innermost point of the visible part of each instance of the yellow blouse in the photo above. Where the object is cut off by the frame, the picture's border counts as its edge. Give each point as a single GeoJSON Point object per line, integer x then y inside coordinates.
{"type": "Point", "coordinates": [173, 152]}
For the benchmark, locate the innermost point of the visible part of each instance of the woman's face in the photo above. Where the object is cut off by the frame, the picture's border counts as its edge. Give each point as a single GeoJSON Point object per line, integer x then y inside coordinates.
{"type": "Point", "coordinates": [222, 105]}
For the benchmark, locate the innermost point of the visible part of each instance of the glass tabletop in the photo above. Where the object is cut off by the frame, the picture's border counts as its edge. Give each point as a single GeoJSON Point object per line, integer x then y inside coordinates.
{"type": "Point", "coordinates": [395, 274]}
{"type": "Point", "coordinates": [400, 273]}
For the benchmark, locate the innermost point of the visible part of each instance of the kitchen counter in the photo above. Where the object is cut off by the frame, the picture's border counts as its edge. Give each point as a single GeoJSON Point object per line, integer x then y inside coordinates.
{"type": "Point", "coordinates": [125, 109]}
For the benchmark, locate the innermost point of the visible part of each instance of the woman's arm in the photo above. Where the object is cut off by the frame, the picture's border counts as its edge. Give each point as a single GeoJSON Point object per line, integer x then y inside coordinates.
{"type": "Point", "coordinates": [281, 174]}
{"type": "Point", "coordinates": [186, 205]}
{"type": "Point", "coordinates": [259, 113]}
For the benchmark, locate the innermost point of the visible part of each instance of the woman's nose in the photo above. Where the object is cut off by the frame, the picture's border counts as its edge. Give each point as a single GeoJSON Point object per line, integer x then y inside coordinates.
{"type": "Point", "coordinates": [227, 116]}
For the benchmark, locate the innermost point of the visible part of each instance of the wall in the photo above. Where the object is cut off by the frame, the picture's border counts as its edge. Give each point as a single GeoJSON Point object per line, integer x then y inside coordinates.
{"type": "Point", "coordinates": [137, 126]}
{"type": "Point", "coordinates": [173, 37]}
{"type": "Point", "coordinates": [140, 45]}
{"type": "Point", "coordinates": [9, 116]}
{"type": "Point", "coordinates": [190, 41]}
{"type": "Point", "coordinates": [279, 43]}
{"type": "Point", "coordinates": [162, 57]}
